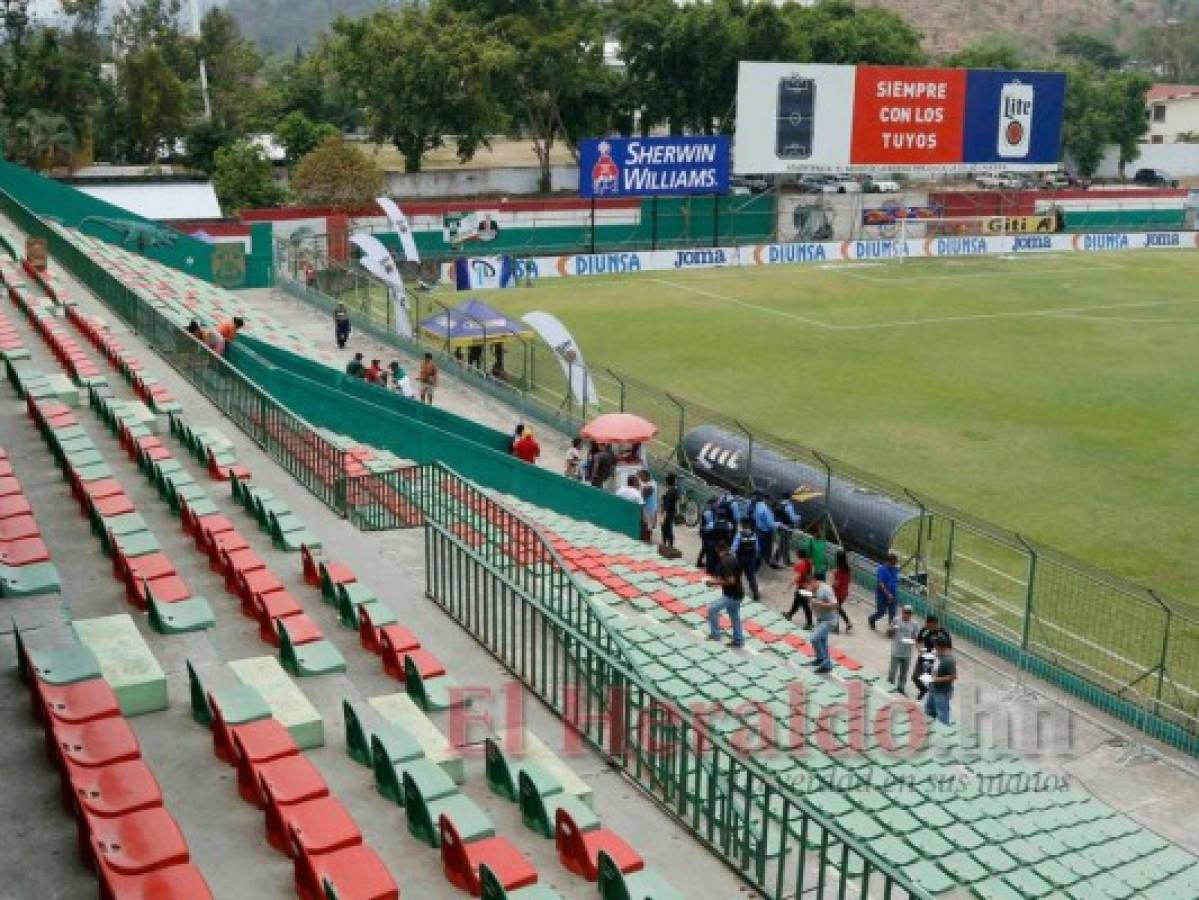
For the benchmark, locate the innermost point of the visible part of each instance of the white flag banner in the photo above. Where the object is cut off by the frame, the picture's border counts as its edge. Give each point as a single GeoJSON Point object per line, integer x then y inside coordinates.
{"type": "Point", "coordinates": [570, 357]}
{"type": "Point", "coordinates": [376, 260]}
{"type": "Point", "coordinates": [399, 222]}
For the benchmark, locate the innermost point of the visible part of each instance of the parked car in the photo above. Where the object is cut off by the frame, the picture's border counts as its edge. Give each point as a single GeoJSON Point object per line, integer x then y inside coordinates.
{"type": "Point", "coordinates": [1003, 181]}
{"type": "Point", "coordinates": [1056, 180]}
{"type": "Point", "coordinates": [881, 186]}
{"type": "Point", "coordinates": [841, 184]}
{"type": "Point", "coordinates": [1154, 178]}
{"type": "Point", "coordinates": [750, 184]}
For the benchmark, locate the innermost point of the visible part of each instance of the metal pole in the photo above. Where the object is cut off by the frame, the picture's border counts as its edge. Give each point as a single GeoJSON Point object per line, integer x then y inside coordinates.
{"type": "Point", "coordinates": [1161, 667]}
{"type": "Point", "coordinates": [749, 460]}
{"type": "Point", "coordinates": [716, 220]}
{"type": "Point", "coordinates": [953, 527]}
{"type": "Point", "coordinates": [620, 382]}
{"type": "Point", "coordinates": [682, 420]}
{"type": "Point", "coordinates": [653, 223]}
{"type": "Point", "coordinates": [593, 225]}
{"type": "Point", "coordinates": [1028, 597]}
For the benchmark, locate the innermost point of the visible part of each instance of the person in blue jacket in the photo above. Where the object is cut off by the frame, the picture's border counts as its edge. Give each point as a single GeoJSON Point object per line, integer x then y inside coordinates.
{"type": "Point", "coordinates": [886, 590]}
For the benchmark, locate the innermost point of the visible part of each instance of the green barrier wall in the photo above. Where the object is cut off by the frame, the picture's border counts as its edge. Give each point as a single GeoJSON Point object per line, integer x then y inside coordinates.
{"type": "Point", "coordinates": [1125, 220]}
{"type": "Point", "coordinates": [55, 200]}
{"type": "Point", "coordinates": [388, 421]}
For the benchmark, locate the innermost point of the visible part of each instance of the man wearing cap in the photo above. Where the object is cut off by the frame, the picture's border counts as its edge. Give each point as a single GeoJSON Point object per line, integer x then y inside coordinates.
{"type": "Point", "coordinates": [903, 641]}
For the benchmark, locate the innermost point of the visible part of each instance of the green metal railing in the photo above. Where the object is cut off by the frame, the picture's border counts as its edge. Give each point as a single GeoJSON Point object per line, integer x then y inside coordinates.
{"type": "Point", "coordinates": [498, 577]}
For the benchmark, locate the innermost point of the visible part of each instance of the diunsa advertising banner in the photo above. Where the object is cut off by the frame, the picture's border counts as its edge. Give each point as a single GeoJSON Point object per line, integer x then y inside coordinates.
{"type": "Point", "coordinates": [799, 117]}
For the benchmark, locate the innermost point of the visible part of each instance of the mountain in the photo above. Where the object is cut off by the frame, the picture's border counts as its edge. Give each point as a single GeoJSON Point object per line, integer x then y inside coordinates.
{"type": "Point", "coordinates": [1031, 25]}
{"type": "Point", "coordinates": [279, 26]}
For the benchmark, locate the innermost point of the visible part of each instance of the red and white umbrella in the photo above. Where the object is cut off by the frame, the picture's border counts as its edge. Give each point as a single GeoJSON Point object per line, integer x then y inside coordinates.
{"type": "Point", "coordinates": [620, 428]}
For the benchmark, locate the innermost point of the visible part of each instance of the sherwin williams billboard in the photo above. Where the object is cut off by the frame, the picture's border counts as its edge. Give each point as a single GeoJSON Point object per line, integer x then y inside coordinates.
{"type": "Point", "coordinates": [795, 118]}
{"type": "Point", "coordinates": [644, 167]}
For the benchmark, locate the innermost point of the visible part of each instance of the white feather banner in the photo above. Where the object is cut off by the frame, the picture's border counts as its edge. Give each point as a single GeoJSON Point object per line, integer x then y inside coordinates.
{"type": "Point", "coordinates": [376, 260]}
{"type": "Point", "coordinates": [399, 222]}
{"type": "Point", "coordinates": [570, 357]}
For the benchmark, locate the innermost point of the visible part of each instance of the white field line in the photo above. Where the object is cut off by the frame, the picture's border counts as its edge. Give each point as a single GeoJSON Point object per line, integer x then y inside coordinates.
{"type": "Point", "coordinates": [1121, 320]}
{"type": "Point", "coordinates": [913, 323]}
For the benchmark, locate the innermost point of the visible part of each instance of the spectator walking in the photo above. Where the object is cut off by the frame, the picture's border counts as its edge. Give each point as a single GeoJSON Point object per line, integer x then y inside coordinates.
{"type": "Point", "coordinates": [631, 490]}
{"type": "Point", "coordinates": [230, 327]}
{"type": "Point", "coordinates": [745, 548]}
{"type": "Point", "coordinates": [824, 602]}
{"type": "Point", "coordinates": [818, 552]}
{"type": "Point", "coordinates": [527, 447]}
{"type": "Point", "coordinates": [707, 537]}
{"type": "Point", "coordinates": [588, 464]}
{"type": "Point", "coordinates": [886, 590]}
{"type": "Point", "coordinates": [732, 592]}
{"type": "Point", "coordinates": [428, 379]}
{"type": "Point", "coordinates": [842, 581]}
{"type": "Point", "coordinates": [670, 509]}
{"type": "Point", "coordinates": [801, 600]}
{"type": "Point", "coordinates": [341, 325]}
{"type": "Point", "coordinates": [375, 373]}
{"type": "Point", "coordinates": [940, 682]}
{"type": "Point", "coordinates": [574, 460]}
{"type": "Point", "coordinates": [355, 367]}
{"type": "Point", "coordinates": [652, 503]}
{"type": "Point", "coordinates": [764, 526]}
{"type": "Point", "coordinates": [604, 468]}
{"type": "Point", "coordinates": [649, 513]}
{"type": "Point", "coordinates": [903, 642]}
{"type": "Point", "coordinates": [926, 640]}
{"type": "Point", "coordinates": [788, 519]}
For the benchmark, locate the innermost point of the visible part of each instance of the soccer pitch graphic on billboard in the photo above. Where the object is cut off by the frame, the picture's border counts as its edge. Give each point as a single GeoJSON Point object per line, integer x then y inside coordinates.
{"type": "Point", "coordinates": [793, 117]}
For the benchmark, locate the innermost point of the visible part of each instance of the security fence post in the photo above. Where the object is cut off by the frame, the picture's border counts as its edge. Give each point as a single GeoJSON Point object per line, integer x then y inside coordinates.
{"type": "Point", "coordinates": [749, 459]}
{"type": "Point", "coordinates": [1161, 665]}
{"type": "Point", "coordinates": [619, 381]}
{"type": "Point", "coordinates": [1026, 625]}
{"type": "Point", "coordinates": [678, 447]}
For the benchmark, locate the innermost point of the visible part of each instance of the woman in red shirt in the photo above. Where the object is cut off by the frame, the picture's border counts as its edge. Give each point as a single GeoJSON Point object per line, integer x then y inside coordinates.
{"type": "Point", "coordinates": [842, 579]}
{"type": "Point", "coordinates": [802, 598]}
{"type": "Point", "coordinates": [527, 447]}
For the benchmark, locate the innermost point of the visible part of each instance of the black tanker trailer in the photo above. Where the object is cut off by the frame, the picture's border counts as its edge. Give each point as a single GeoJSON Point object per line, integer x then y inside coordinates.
{"type": "Point", "coordinates": [865, 521]}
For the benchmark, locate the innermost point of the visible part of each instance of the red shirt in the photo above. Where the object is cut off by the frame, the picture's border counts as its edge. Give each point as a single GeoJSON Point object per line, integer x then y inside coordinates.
{"type": "Point", "coordinates": [803, 572]}
{"type": "Point", "coordinates": [841, 582]}
{"type": "Point", "coordinates": [527, 449]}
{"type": "Point", "coordinates": [374, 373]}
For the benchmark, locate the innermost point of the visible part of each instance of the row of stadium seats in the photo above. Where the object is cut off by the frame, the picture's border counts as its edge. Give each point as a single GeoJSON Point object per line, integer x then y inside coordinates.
{"type": "Point", "coordinates": [25, 566]}
{"type": "Point", "coordinates": [124, 832]}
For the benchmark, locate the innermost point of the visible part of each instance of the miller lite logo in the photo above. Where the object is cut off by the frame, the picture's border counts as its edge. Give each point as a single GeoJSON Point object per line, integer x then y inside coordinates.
{"type": "Point", "coordinates": [1015, 120]}
{"type": "Point", "coordinates": [605, 174]}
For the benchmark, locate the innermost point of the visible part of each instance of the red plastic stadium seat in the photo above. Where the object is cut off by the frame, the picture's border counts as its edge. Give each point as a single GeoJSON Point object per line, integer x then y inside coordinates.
{"type": "Point", "coordinates": [270, 607]}
{"type": "Point", "coordinates": [138, 568]}
{"type": "Point", "coordinates": [18, 527]}
{"type": "Point", "coordinates": [182, 882]}
{"type": "Point", "coordinates": [74, 704]}
{"type": "Point", "coordinates": [99, 743]}
{"type": "Point", "coordinates": [287, 780]}
{"type": "Point", "coordinates": [115, 790]}
{"type": "Point", "coordinates": [138, 842]}
{"type": "Point", "coordinates": [98, 490]}
{"type": "Point", "coordinates": [312, 574]}
{"type": "Point", "coordinates": [254, 583]}
{"type": "Point", "coordinates": [579, 850]}
{"type": "Point", "coordinates": [461, 861]}
{"type": "Point", "coordinates": [354, 872]}
{"type": "Point", "coordinates": [208, 528]}
{"type": "Point", "coordinates": [394, 641]}
{"type": "Point", "coordinates": [24, 552]}
{"type": "Point", "coordinates": [255, 743]}
{"type": "Point", "coordinates": [235, 563]}
{"type": "Point", "coordinates": [114, 505]}
{"type": "Point", "coordinates": [170, 589]}
{"type": "Point", "coordinates": [9, 487]}
{"type": "Point", "coordinates": [15, 505]}
{"type": "Point", "coordinates": [428, 665]}
{"type": "Point", "coordinates": [314, 827]}
{"type": "Point", "coordinates": [368, 632]}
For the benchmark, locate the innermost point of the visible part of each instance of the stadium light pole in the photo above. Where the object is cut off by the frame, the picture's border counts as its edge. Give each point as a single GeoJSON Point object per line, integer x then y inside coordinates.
{"type": "Point", "coordinates": [195, 11]}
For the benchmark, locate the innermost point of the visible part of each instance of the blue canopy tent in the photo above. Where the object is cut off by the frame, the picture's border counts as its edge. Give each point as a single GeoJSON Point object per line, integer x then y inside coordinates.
{"type": "Point", "coordinates": [473, 323]}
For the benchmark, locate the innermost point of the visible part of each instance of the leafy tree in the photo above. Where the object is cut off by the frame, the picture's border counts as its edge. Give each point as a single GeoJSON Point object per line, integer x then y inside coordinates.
{"type": "Point", "coordinates": [156, 102]}
{"type": "Point", "coordinates": [986, 54]}
{"type": "Point", "coordinates": [42, 141]}
{"type": "Point", "coordinates": [1086, 123]}
{"type": "Point", "coordinates": [840, 32]}
{"type": "Point", "coordinates": [283, 26]}
{"type": "Point", "coordinates": [300, 135]}
{"type": "Point", "coordinates": [204, 138]}
{"type": "Point", "coordinates": [421, 75]}
{"type": "Point", "coordinates": [243, 178]}
{"type": "Point", "coordinates": [1124, 93]}
{"type": "Point", "coordinates": [1171, 50]}
{"type": "Point", "coordinates": [336, 174]}
{"type": "Point", "coordinates": [1082, 47]}
{"type": "Point", "coordinates": [142, 24]}
{"type": "Point", "coordinates": [233, 63]}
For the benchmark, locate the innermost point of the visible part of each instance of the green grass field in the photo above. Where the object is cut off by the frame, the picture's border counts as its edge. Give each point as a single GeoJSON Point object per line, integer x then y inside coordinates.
{"type": "Point", "coordinates": [1057, 396]}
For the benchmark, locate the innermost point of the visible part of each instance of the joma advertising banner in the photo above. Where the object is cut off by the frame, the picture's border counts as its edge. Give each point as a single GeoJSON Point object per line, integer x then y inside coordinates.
{"type": "Point", "coordinates": [642, 167]}
{"type": "Point", "coordinates": [795, 118]}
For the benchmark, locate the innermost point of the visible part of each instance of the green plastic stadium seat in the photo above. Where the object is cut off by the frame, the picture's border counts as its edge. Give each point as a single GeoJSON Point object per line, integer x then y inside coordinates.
{"type": "Point", "coordinates": [392, 747]}
{"type": "Point", "coordinates": [541, 796]}
{"type": "Point", "coordinates": [308, 660]}
{"type": "Point", "coordinates": [424, 814]}
{"type": "Point", "coordinates": [644, 884]}
{"type": "Point", "coordinates": [193, 614]}
{"type": "Point", "coordinates": [492, 889]}
{"type": "Point", "coordinates": [431, 694]}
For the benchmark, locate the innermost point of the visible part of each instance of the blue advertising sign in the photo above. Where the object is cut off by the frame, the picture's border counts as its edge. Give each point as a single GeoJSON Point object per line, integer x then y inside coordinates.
{"type": "Point", "coordinates": [644, 167]}
{"type": "Point", "coordinates": [1013, 118]}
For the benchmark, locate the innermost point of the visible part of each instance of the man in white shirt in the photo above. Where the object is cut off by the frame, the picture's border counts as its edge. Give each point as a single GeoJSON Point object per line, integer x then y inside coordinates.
{"type": "Point", "coordinates": [631, 491]}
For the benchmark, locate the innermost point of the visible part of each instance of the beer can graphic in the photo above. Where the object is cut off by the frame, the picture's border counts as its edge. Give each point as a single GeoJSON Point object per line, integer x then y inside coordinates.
{"type": "Point", "coordinates": [1015, 120]}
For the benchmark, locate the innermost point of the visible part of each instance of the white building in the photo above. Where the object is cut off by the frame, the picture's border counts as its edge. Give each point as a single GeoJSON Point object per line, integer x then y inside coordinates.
{"type": "Point", "coordinates": [1173, 110]}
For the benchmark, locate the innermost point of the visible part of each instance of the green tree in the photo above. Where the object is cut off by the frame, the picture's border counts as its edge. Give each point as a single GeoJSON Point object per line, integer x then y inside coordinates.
{"type": "Point", "coordinates": [204, 138]}
{"type": "Point", "coordinates": [299, 135]}
{"type": "Point", "coordinates": [156, 103]}
{"type": "Point", "coordinates": [1171, 50]}
{"type": "Point", "coordinates": [1124, 93]}
{"type": "Point", "coordinates": [840, 32]}
{"type": "Point", "coordinates": [43, 141]}
{"type": "Point", "coordinates": [421, 75]}
{"type": "Point", "coordinates": [336, 174]}
{"type": "Point", "coordinates": [1086, 121]}
{"type": "Point", "coordinates": [986, 54]}
{"type": "Point", "coordinates": [142, 24]}
{"type": "Point", "coordinates": [233, 64]}
{"type": "Point", "coordinates": [243, 178]}
{"type": "Point", "coordinates": [1082, 47]}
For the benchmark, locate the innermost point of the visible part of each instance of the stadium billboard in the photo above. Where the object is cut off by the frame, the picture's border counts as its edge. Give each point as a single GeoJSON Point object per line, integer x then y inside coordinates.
{"type": "Point", "coordinates": [645, 167]}
{"type": "Point", "coordinates": [813, 118]}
